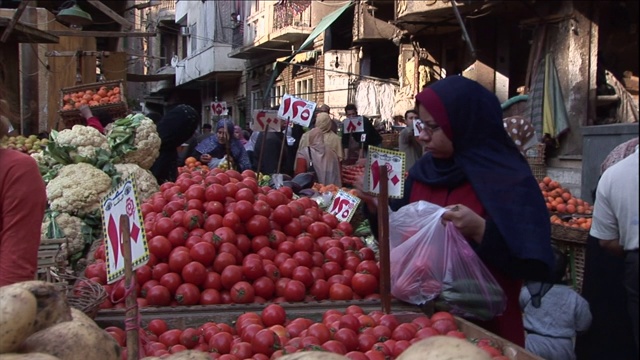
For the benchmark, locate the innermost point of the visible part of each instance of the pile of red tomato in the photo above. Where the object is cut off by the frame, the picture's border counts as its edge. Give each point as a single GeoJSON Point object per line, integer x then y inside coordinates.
{"type": "Point", "coordinates": [216, 237]}
{"type": "Point", "coordinates": [269, 335]}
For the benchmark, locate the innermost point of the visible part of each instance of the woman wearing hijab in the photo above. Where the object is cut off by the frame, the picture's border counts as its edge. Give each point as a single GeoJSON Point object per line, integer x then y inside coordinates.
{"type": "Point", "coordinates": [331, 139]}
{"type": "Point", "coordinates": [222, 143]}
{"type": "Point", "coordinates": [475, 170]}
{"type": "Point", "coordinates": [175, 128]}
{"type": "Point", "coordinates": [324, 160]}
{"type": "Point", "coordinates": [239, 135]}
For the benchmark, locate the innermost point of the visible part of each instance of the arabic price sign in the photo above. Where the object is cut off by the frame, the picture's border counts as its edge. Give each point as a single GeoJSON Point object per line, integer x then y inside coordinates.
{"type": "Point", "coordinates": [123, 201]}
{"type": "Point", "coordinates": [265, 119]}
{"type": "Point", "coordinates": [300, 111]}
{"type": "Point", "coordinates": [343, 206]}
{"type": "Point", "coordinates": [353, 124]}
{"type": "Point", "coordinates": [394, 162]}
{"type": "Point", "coordinates": [417, 127]}
{"type": "Point", "coordinates": [219, 107]}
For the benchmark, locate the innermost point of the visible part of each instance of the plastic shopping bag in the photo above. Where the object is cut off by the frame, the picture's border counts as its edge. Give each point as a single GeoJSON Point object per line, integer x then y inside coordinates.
{"type": "Point", "coordinates": [433, 262]}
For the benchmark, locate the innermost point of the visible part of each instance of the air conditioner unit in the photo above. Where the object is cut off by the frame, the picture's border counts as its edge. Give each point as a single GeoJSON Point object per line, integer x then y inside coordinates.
{"type": "Point", "coordinates": [184, 31]}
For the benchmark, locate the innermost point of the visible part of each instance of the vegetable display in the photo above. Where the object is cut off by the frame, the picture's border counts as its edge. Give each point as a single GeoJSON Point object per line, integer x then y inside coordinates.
{"type": "Point", "coordinates": [134, 140]}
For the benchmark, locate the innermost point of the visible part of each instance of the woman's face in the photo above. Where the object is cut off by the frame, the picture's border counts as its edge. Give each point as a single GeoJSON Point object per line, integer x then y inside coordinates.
{"type": "Point", "coordinates": [222, 135]}
{"type": "Point", "coordinates": [436, 142]}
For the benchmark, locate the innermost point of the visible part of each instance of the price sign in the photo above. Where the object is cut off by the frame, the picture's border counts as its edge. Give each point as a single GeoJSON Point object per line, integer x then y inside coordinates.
{"type": "Point", "coordinates": [123, 201]}
{"type": "Point", "coordinates": [265, 119]}
{"type": "Point", "coordinates": [417, 127]}
{"type": "Point", "coordinates": [219, 107]}
{"type": "Point", "coordinates": [394, 162]}
{"type": "Point", "coordinates": [300, 111]}
{"type": "Point", "coordinates": [353, 124]}
{"type": "Point", "coordinates": [343, 206]}
{"type": "Point", "coordinates": [363, 138]}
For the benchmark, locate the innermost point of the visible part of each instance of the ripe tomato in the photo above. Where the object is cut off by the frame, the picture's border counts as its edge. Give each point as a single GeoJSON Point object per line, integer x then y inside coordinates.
{"type": "Point", "coordinates": [345, 227]}
{"type": "Point", "coordinates": [389, 321]}
{"type": "Point", "coordinates": [222, 261]}
{"type": "Point", "coordinates": [331, 268]}
{"type": "Point", "coordinates": [443, 325]}
{"type": "Point", "coordinates": [440, 315]}
{"type": "Point", "coordinates": [244, 210]}
{"type": "Point", "coordinates": [294, 291]}
{"type": "Point", "coordinates": [364, 284]}
{"type": "Point", "coordinates": [368, 267]}
{"type": "Point", "coordinates": [335, 346]}
{"type": "Point", "coordinates": [293, 228]}
{"type": "Point", "coordinates": [215, 192]}
{"type": "Point", "coordinates": [170, 338]}
{"type": "Point", "coordinates": [303, 258]}
{"type": "Point", "coordinates": [242, 293]}
{"type": "Point", "coordinates": [258, 225]}
{"type": "Point", "coordinates": [335, 254]}
{"type": "Point", "coordinates": [178, 260]}
{"type": "Point", "coordinates": [266, 342]}
{"type": "Point", "coordinates": [348, 337]}
{"type": "Point", "coordinates": [242, 350]}
{"type": "Point", "coordinates": [282, 214]}
{"type": "Point", "coordinates": [304, 243]}
{"type": "Point", "coordinates": [157, 326]}
{"type": "Point", "coordinates": [99, 270]}
{"type": "Point", "coordinates": [303, 274]}
{"type": "Point", "coordinates": [160, 246]}
{"type": "Point", "coordinates": [287, 267]}
{"type": "Point", "coordinates": [224, 234]}
{"type": "Point", "coordinates": [187, 294]}
{"type": "Point", "coordinates": [405, 331]}
{"type": "Point", "coordinates": [212, 281]}
{"type": "Point", "coordinates": [319, 290]}
{"type": "Point", "coordinates": [178, 236]}
{"type": "Point", "coordinates": [189, 338]}
{"type": "Point", "coordinates": [194, 273]}
{"type": "Point", "coordinates": [230, 276]}
{"type": "Point", "coordinates": [273, 314]}
{"type": "Point", "coordinates": [210, 297]}
{"type": "Point", "coordinates": [171, 281]}
{"type": "Point", "coordinates": [221, 342]}
{"type": "Point", "coordinates": [264, 287]}
{"type": "Point", "coordinates": [203, 252]}
{"type": "Point", "coordinates": [252, 268]}
{"type": "Point", "coordinates": [158, 296]}
{"type": "Point", "coordinates": [340, 292]}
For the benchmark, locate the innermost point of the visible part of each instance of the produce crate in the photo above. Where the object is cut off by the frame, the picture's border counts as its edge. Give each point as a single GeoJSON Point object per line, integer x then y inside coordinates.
{"type": "Point", "coordinates": [51, 256]}
{"type": "Point", "coordinates": [535, 158]}
{"type": "Point", "coordinates": [115, 109]}
{"type": "Point", "coordinates": [390, 141]}
{"type": "Point", "coordinates": [569, 234]}
{"type": "Point", "coordinates": [576, 250]}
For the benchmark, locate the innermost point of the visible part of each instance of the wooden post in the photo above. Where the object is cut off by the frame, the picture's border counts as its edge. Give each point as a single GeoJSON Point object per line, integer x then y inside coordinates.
{"type": "Point", "coordinates": [284, 140]}
{"type": "Point", "coordinates": [383, 240]}
{"type": "Point", "coordinates": [131, 315]}
{"type": "Point", "coordinates": [260, 156]}
{"type": "Point", "coordinates": [14, 20]}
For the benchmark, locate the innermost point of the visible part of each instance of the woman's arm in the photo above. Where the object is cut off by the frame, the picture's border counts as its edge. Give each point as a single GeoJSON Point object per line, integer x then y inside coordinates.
{"type": "Point", "coordinates": [244, 163]}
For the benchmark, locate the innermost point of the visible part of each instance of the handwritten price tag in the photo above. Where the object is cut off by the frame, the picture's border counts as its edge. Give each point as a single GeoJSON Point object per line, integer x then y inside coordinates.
{"type": "Point", "coordinates": [300, 111]}
{"type": "Point", "coordinates": [219, 107]}
{"type": "Point", "coordinates": [417, 127]}
{"type": "Point", "coordinates": [353, 124]}
{"type": "Point", "coordinates": [343, 206]}
{"type": "Point", "coordinates": [394, 162]}
{"type": "Point", "coordinates": [122, 201]}
{"type": "Point", "coordinates": [265, 119]}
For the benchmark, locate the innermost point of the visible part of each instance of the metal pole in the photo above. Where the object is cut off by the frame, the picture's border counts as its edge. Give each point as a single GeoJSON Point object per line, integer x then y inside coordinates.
{"type": "Point", "coordinates": [465, 35]}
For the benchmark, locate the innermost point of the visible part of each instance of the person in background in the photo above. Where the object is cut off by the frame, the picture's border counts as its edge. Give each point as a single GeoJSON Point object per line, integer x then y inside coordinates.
{"type": "Point", "coordinates": [174, 129]}
{"type": "Point", "coordinates": [615, 225]}
{"type": "Point", "coordinates": [239, 135]}
{"type": "Point", "coordinates": [271, 151]}
{"type": "Point", "coordinates": [335, 124]}
{"type": "Point", "coordinates": [610, 334]}
{"type": "Point", "coordinates": [98, 120]}
{"type": "Point", "coordinates": [330, 139]}
{"type": "Point", "coordinates": [223, 143]}
{"type": "Point", "coordinates": [473, 169]}
{"type": "Point", "coordinates": [407, 141]}
{"type": "Point", "coordinates": [155, 116]}
{"type": "Point", "coordinates": [205, 133]}
{"type": "Point", "coordinates": [325, 161]}
{"type": "Point", "coordinates": [23, 200]}
{"type": "Point", "coordinates": [554, 314]}
{"type": "Point", "coordinates": [250, 148]}
{"type": "Point", "coordinates": [372, 137]}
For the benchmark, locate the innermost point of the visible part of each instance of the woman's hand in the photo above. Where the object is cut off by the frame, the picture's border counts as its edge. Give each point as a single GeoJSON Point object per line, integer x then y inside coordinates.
{"type": "Point", "coordinates": [205, 158]}
{"type": "Point", "coordinates": [470, 224]}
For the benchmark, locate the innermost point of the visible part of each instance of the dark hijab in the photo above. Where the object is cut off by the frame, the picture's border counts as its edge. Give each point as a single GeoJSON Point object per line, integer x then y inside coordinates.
{"type": "Point", "coordinates": [485, 156]}
{"type": "Point", "coordinates": [177, 126]}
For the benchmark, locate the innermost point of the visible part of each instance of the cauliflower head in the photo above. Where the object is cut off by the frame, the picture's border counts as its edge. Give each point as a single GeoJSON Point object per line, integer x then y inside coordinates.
{"type": "Point", "coordinates": [134, 140]}
{"type": "Point", "coordinates": [146, 183]}
{"type": "Point", "coordinates": [71, 227]}
{"type": "Point", "coordinates": [86, 140]}
{"type": "Point", "coordinates": [78, 189]}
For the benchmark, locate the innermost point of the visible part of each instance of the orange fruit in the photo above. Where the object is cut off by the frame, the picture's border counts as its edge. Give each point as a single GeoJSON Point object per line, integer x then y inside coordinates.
{"type": "Point", "coordinates": [67, 107]}
{"type": "Point", "coordinates": [102, 92]}
{"type": "Point", "coordinates": [571, 209]}
{"type": "Point", "coordinates": [116, 90]}
{"type": "Point", "coordinates": [554, 184]}
{"type": "Point", "coordinates": [89, 92]}
{"type": "Point", "coordinates": [580, 209]}
{"type": "Point", "coordinates": [87, 97]}
{"type": "Point", "coordinates": [561, 208]}
{"type": "Point", "coordinates": [566, 196]}
{"type": "Point", "coordinates": [546, 180]}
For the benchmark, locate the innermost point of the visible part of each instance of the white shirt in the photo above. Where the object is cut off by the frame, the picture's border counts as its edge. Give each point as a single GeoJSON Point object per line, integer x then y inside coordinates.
{"type": "Point", "coordinates": [615, 212]}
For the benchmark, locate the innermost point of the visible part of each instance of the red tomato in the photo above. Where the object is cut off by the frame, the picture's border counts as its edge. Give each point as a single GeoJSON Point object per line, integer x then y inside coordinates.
{"type": "Point", "coordinates": [303, 274]}
{"type": "Point", "coordinates": [259, 242]}
{"type": "Point", "coordinates": [160, 246]}
{"type": "Point", "coordinates": [210, 297]}
{"type": "Point", "coordinates": [193, 219]}
{"type": "Point", "coordinates": [158, 296]}
{"type": "Point", "coordinates": [99, 270]}
{"type": "Point", "coordinates": [340, 292]}
{"type": "Point", "coordinates": [261, 207]}
{"type": "Point", "coordinates": [223, 235]}
{"type": "Point", "coordinates": [194, 273]}
{"type": "Point", "coordinates": [441, 315]}
{"type": "Point", "coordinates": [244, 210]}
{"type": "Point", "coordinates": [245, 194]}
{"type": "Point", "coordinates": [348, 337]}
{"type": "Point", "coordinates": [389, 321]}
{"type": "Point", "coordinates": [287, 247]}
{"type": "Point", "coordinates": [282, 214]}
{"type": "Point", "coordinates": [492, 351]}
{"type": "Point", "coordinates": [421, 322]}
{"type": "Point", "coordinates": [287, 267]}
{"type": "Point", "coordinates": [319, 290]}
{"type": "Point", "coordinates": [366, 253]}
{"type": "Point", "coordinates": [178, 260]}
{"type": "Point", "coordinates": [203, 252]}
{"type": "Point", "coordinates": [266, 342]}
{"type": "Point", "coordinates": [157, 326]}
{"type": "Point", "coordinates": [294, 291]}
{"type": "Point", "coordinates": [457, 333]}
{"type": "Point", "coordinates": [170, 338]}
{"type": "Point", "coordinates": [364, 284]}
{"type": "Point", "coordinates": [187, 294]}
{"type": "Point", "coordinates": [293, 228]}
{"type": "Point", "coordinates": [356, 355]}
{"type": "Point", "coordinates": [171, 281]}
{"type": "Point", "coordinates": [335, 347]}
{"type": "Point", "coordinates": [303, 258]}
{"type": "Point", "coordinates": [212, 281]}
{"type": "Point", "coordinates": [222, 261]}
{"type": "Point", "coordinates": [242, 350]}
{"type": "Point", "coordinates": [368, 267]}
{"type": "Point", "coordinates": [404, 331]}
{"type": "Point", "coordinates": [190, 337]}
{"type": "Point", "coordinates": [273, 314]}
{"type": "Point", "coordinates": [258, 225]}
{"type": "Point", "coordinates": [264, 287]}
{"type": "Point", "coordinates": [331, 268]}
{"type": "Point", "coordinates": [443, 325]}
{"type": "Point", "coordinates": [242, 293]}
{"type": "Point", "coordinates": [345, 227]}
{"type": "Point", "coordinates": [221, 342]}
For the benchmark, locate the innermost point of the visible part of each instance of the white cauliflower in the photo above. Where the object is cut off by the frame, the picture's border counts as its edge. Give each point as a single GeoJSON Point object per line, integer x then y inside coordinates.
{"type": "Point", "coordinates": [146, 183]}
{"type": "Point", "coordinates": [85, 139]}
{"type": "Point", "coordinates": [143, 149]}
{"type": "Point", "coordinates": [71, 227]}
{"type": "Point", "coordinates": [78, 189]}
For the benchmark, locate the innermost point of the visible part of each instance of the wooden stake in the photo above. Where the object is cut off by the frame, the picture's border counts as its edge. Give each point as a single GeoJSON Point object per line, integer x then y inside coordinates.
{"type": "Point", "coordinates": [284, 140]}
{"type": "Point", "coordinates": [131, 303]}
{"type": "Point", "coordinates": [383, 241]}
{"type": "Point", "coordinates": [264, 141]}
{"type": "Point", "coordinates": [14, 20]}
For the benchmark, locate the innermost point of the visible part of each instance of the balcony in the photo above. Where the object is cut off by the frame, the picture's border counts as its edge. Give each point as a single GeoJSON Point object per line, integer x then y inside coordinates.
{"type": "Point", "coordinates": [367, 27]}
{"type": "Point", "coordinates": [213, 59]}
{"type": "Point", "coordinates": [167, 11]}
{"type": "Point", "coordinates": [415, 15]}
{"type": "Point", "coordinates": [279, 27]}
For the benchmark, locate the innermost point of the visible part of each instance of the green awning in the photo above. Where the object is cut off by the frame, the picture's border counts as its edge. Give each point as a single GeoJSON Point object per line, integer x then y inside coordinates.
{"type": "Point", "coordinates": [323, 25]}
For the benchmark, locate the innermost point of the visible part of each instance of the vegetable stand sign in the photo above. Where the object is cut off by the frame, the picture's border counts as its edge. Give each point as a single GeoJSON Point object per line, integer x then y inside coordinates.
{"type": "Point", "coordinates": [120, 207]}
{"type": "Point", "coordinates": [265, 120]}
{"type": "Point", "coordinates": [219, 107]}
{"type": "Point", "coordinates": [299, 111]}
{"type": "Point", "coordinates": [394, 162]}
{"type": "Point", "coordinates": [417, 127]}
{"type": "Point", "coordinates": [343, 206]}
{"type": "Point", "coordinates": [353, 124]}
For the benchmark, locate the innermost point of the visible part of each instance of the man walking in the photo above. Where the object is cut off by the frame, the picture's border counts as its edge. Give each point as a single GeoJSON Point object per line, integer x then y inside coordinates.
{"type": "Point", "coordinates": [364, 139]}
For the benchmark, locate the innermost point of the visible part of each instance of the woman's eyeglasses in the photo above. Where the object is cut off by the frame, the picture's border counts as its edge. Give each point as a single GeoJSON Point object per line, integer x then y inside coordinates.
{"type": "Point", "coordinates": [428, 128]}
